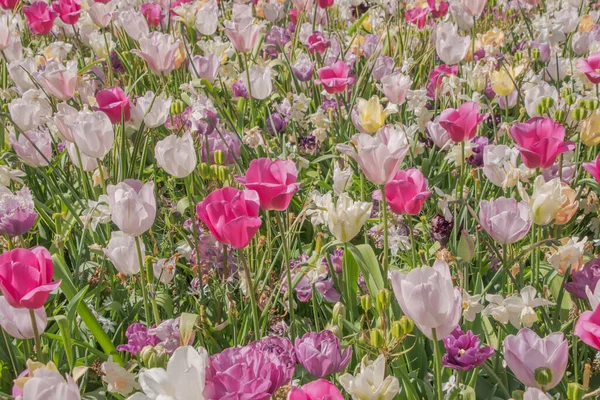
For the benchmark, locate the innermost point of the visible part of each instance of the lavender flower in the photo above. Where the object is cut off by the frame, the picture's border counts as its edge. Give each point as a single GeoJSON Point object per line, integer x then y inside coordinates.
{"type": "Point", "coordinates": [463, 351]}
{"type": "Point", "coordinates": [17, 213]}
{"type": "Point", "coordinates": [588, 276]}
{"type": "Point", "coordinates": [138, 338]}
{"type": "Point", "coordinates": [321, 353]}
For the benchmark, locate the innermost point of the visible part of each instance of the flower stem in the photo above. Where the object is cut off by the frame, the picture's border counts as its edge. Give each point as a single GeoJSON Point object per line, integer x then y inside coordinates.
{"type": "Point", "coordinates": [412, 240]}
{"type": "Point", "coordinates": [143, 280]}
{"type": "Point", "coordinates": [385, 236]}
{"type": "Point", "coordinates": [251, 293]}
{"type": "Point", "coordinates": [36, 336]}
{"type": "Point", "coordinates": [437, 365]}
{"type": "Point", "coordinates": [288, 273]}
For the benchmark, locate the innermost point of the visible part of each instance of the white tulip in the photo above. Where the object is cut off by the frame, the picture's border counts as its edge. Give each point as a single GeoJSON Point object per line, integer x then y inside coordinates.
{"type": "Point", "coordinates": [371, 383]}
{"type": "Point", "coordinates": [122, 252]}
{"type": "Point", "coordinates": [449, 45]}
{"type": "Point", "coordinates": [176, 155]}
{"type": "Point", "coordinates": [93, 133]}
{"type": "Point", "coordinates": [346, 219]}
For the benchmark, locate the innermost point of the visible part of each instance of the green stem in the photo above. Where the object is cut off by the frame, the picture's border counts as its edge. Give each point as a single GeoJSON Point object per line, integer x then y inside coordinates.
{"type": "Point", "coordinates": [437, 365]}
{"type": "Point", "coordinates": [412, 241]}
{"type": "Point", "coordinates": [143, 280]}
{"type": "Point", "coordinates": [251, 293]}
{"type": "Point", "coordinates": [385, 236]}
{"type": "Point", "coordinates": [36, 336]}
{"type": "Point", "coordinates": [315, 307]}
{"type": "Point", "coordinates": [288, 273]}
{"type": "Point", "coordinates": [9, 351]}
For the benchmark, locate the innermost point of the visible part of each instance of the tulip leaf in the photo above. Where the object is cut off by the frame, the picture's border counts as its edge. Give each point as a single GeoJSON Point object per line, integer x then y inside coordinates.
{"type": "Point", "coordinates": [65, 333]}
{"type": "Point", "coordinates": [369, 266]}
{"type": "Point", "coordinates": [165, 301]}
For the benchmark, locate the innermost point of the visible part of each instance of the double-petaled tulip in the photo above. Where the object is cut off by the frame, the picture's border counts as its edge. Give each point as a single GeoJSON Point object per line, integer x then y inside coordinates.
{"type": "Point", "coordinates": [40, 17]}
{"type": "Point", "coordinates": [17, 212]}
{"type": "Point", "coordinates": [274, 181]}
{"type": "Point", "coordinates": [17, 321]}
{"type": "Point", "coordinates": [26, 277]}
{"type": "Point", "coordinates": [33, 147]}
{"type": "Point", "coordinates": [176, 155]}
{"type": "Point", "coordinates": [114, 103]}
{"type": "Point", "coordinates": [60, 81]}
{"type": "Point", "coordinates": [231, 215]}
{"type": "Point", "coordinates": [395, 86]}
{"type": "Point", "coordinates": [68, 10]}
{"type": "Point", "coordinates": [593, 167]}
{"type": "Point", "coordinates": [132, 206]}
{"type": "Point", "coordinates": [206, 67]}
{"type": "Point", "coordinates": [260, 85]}
{"type": "Point", "coordinates": [159, 50]}
{"type": "Point", "coordinates": [427, 297]}
{"type": "Point", "coordinates": [462, 123]}
{"type": "Point", "coordinates": [406, 192]}
{"type": "Point", "coordinates": [321, 354]}
{"type": "Point", "coordinates": [120, 250]}
{"type": "Point", "coordinates": [243, 34]}
{"type": "Point", "coordinates": [528, 356]}
{"type": "Point", "coordinates": [590, 67]}
{"type": "Point", "coordinates": [450, 47]}
{"type": "Point", "coordinates": [317, 390]}
{"type": "Point", "coordinates": [378, 156]}
{"type": "Point", "coordinates": [540, 141]}
{"type": "Point", "coordinates": [346, 219]}
{"type": "Point", "coordinates": [505, 220]}
{"type": "Point", "coordinates": [335, 78]}
{"type": "Point", "coordinates": [93, 133]}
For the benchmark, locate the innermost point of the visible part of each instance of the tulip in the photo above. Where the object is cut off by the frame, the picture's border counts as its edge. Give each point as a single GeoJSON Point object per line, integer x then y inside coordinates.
{"type": "Point", "coordinates": [535, 394]}
{"type": "Point", "coordinates": [261, 85]}
{"type": "Point", "coordinates": [317, 390]}
{"type": "Point", "coordinates": [159, 51]}
{"type": "Point", "coordinates": [370, 382]}
{"type": "Point", "coordinates": [243, 34]}
{"type": "Point", "coordinates": [463, 352]}
{"type": "Point", "coordinates": [569, 206]}
{"type": "Point", "coordinates": [505, 220]}
{"type": "Point", "coordinates": [33, 147]}
{"type": "Point", "coordinates": [26, 277]}
{"type": "Point", "coordinates": [303, 68]}
{"type": "Point", "coordinates": [80, 159]}
{"type": "Point", "coordinates": [336, 78]}
{"type": "Point", "coordinates": [227, 142]}
{"type": "Point", "coordinates": [473, 7]}
{"type": "Point", "coordinates": [9, 4]}
{"type": "Point", "coordinates": [462, 123]}
{"type": "Point", "coordinates": [378, 156]}
{"type": "Point", "coordinates": [546, 201]}
{"type": "Point", "coordinates": [587, 277]}
{"type": "Point", "coordinates": [316, 42]}
{"type": "Point", "coordinates": [438, 135]}
{"type": "Point", "coordinates": [114, 103]}
{"type": "Point", "coordinates": [132, 206]}
{"type": "Point", "coordinates": [65, 119]}
{"type": "Point", "coordinates": [40, 17]}
{"type": "Point", "coordinates": [119, 252]}
{"type": "Point", "coordinates": [67, 10]}
{"type": "Point", "coordinates": [436, 78]}
{"type": "Point", "coordinates": [593, 168]}
{"type": "Point", "coordinates": [320, 353]}
{"type": "Point", "coordinates": [500, 165]}
{"type": "Point", "coordinates": [540, 141]}
{"type": "Point", "coordinates": [590, 67]}
{"type": "Point", "coordinates": [528, 355]}
{"type": "Point", "coordinates": [231, 215]}
{"type": "Point", "coordinates": [371, 116]}
{"type": "Point", "coordinates": [502, 82]}
{"type": "Point", "coordinates": [417, 16]}
{"type": "Point", "coordinates": [152, 109]}
{"type": "Point", "coordinates": [406, 192]}
{"type": "Point", "coordinates": [587, 328]}
{"type": "Point", "coordinates": [427, 297]}
{"type": "Point", "coordinates": [346, 219]}
{"type": "Point", "coordinates": [17, 321]}
{"type": "Point", "coordinates": [207, 18]}
{"type": "Point", "coordinates": [153, 13]}
{"type": "Point", "coordinates": [590, 130]}
{"type": "Point", "coordinates": [17, 212]}
{"type": "Point", "coordinates": [535, 95]}
{"type": "Point", "coordinates": [450, 47]}
{"type": "Point", "coordinates": [30, 110]}
{"type": "Point", "coordinates": [48, 384]}
{"type": "Point", "coordinates": [383, 66]}
{"type": "Point", "coordinates": [395, 86]}
{"type": "Point", "coordinates": [101, 14]}
{"type": "Point", "coordinates": [176, 155]}
{"type": "Point", "coordinates": [134, 24]}
{"type": "Point", "coordinates": [7, 39]}
{"type": "Point", "coordinates": [206, 67]}
{"type": "Point", "coordinates": [274, 181]}
{"type": "Point", "coordinates": [60, 81]}
{"type": "Point", "coordinates": [93, 134]}
{"type": "Point", "coordinates": [22, 71]}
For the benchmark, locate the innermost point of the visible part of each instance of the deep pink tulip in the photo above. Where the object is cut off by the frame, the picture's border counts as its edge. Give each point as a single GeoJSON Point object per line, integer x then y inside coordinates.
{"type": "Point", "coordinates": [417, 16]}
{"type": "Point", "coordinates": [153, 13]}
{"type": "Point", "coordinates": [274, 181]}
{"type": "Point", "coordinates": [67, 10]}
{"type": "Point", "coordinates": [231, 215]}
{"type": "Point", "coordinates": [462, 123]}
{"type": "Point", "coordinates": [590, 67]}
{"type": "Point", "coordinates": [26, 277]}
{"type": "Point", "coordinates": [325, 3]}
{"type": "Point", "coordinates": [593, 168]}
{"type": "Point", "coordinates": [114, 103]}
{"type": "Point", "coordinates": [336, 78]}
{"type": "Point", "coordinates": [438, 10]}
{"type": "Point", "coordinates": [540, 141]}
{"type": "Point", "coordinates": [40, 17]}
{"type": "Point", "coordinates": [9, 4]}
{"type": "Point", "coordinates": [436, 78]}
{"type": "Point", "coordinates": [588, 328]}
{"type": "Point", "coordinates": [320, 389]}
{"type": "Point", "coordinates": [406, 192]}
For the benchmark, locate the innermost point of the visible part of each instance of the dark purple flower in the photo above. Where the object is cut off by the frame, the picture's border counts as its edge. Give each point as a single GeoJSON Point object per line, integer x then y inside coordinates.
{"type": "Point", "coordinates": [441, 229]}
{"type": "Point", "coordinates": [476, 159]}
{"type": "Point", "coordinates": [137, 338]}
{"type": "Point", "coordinates": [239, 90]}
{"type": "Point", "coordinates": [276, 123]}
{"type": "Point", "coordinates": [308, 144]}
{"type": "Point", "coordinates": [321, 353]}
{"type": "Point", "coordinates": [463, 351]}
{"type": "Point", "coordinates": [588, 276]}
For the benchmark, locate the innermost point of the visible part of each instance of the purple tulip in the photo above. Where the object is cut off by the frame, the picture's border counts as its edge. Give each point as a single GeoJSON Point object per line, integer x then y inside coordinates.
{"type": "Point", "coordinates": [321, 354]}
{"type": "Point", "coordinates": [463, 351]}
{"type": "Point", "coordinates": [239, 90]}
{"type": "Point", "coordinates": [441, 229]}
{"type": "Point", "coordinates": [138, 338]}
{"type": "Point", "coordinates": [476, 159]}
{"type": "Point", "coordinates": [17, 213]}
{"type": "Point", "coordinates": [276, 123]}
{"type": "Point", "coordinates": [505, 219]}
{"type": "Point", "coordinates": [303, 68]}
{"type": "Point", "coordinates": [228, 143]}
{"type": "Point", "coordinates": [588, 276]}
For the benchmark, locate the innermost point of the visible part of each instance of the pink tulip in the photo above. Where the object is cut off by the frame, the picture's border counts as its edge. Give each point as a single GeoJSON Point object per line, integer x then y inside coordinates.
{"type": "Point", "coordinates": [40, 17]}
{"type": "Point", "coordinates": [114, 103]}
{"type": "Point", "coordinates": [17, 321]}
{"type": "Point", "coordinates": [540, 141]}
{"type": "Point", "coordinates": [153, 13]}
{"type": "Point", "coordinates": [593, 168]}
{"type": "Point", "coordinates": [243, 34]}
{"type": "Point", "coordinates": [9, 4]}
{"type": "Point", "coordinates": [231, 215]}
{"type": "Point", "coordinates": [590, 67]}
{"type": "Point", "coordinates": [68, 10]}
{"type": "Point", "coordinates": [436, 78]}
{"type": "Point", "coordinates": [274, 181]}
{"type": "Point", "coordinates": [406, 192]}
{"type": "Point", "coordinates": [462, 123]}
{"type": "Point", "coordinates": [417, 16]}
{"type": "Point", "coordinates": [336, 78]}
{"type": "Point", "coordinates": [320, 389]}
{"type": "Point", "coordinates": [527, 352]}
{"type": "Point", "coordinates": [588, 328]}
{"type": "Point", "coordinates": [325, 3]}
{"type": "Point", "coordinates": [26, 277]}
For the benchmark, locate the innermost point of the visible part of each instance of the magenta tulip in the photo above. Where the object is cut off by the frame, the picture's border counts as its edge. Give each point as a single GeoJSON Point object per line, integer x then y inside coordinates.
{"type": "Point", "coordinates": [406, 192]}
{"type": "Point", "coordinates": [114, 103]}
{"type": "Point", "coordinates": [462, 123]}
{"type": "Point", "coordinates": [588, 328]}
{"type": "Point", "coordinates": [590, 67]}
{"type": "Point", "coordinates": [274, 181]}
{"type": "Point", "coordinates": [231, 215]}
{"type": "Point", "coordinates": [67, 10]}
{"type": "Point", "coordinates": [540, 141]}
{"type": "Point", "coordinates": [26, 277]}
{"type": "Point", "coordinates": [40, 17]}
{"type": "Point", "coordinates": [336, 78]}
{"type": "Point", "coordinates": [9, 4]}
{"type": "Point", "coordinates": [320, 389]}
{"type": "Point", "coordinates": [593, 168]}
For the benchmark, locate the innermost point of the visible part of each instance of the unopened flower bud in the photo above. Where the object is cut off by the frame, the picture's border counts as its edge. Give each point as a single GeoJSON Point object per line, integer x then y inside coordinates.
{"type": "Point", "coordinates": [575, 391]}
{"type": "Point", "coordinates": [570, 99]}
{"type": "Point", "coordinates": [397, 330]}
{"type": "Point", "coordinates": [339, 313]}
{"type": "Point", "coordinates": [535, 53]}
{"type": "Point", "coordinates": [579, 114]}
{"type": "Point", "coordinates": [518, 56]}
{"type": "Point", "coordinates": [214, 171]}
{"type": "Point", "coordinates": [154, 357]}
{"type": "Point", "coordinates": [219, 157]}
{"type": "Point", "coordinates": [565, 91]}
{"type": "Point", "coordinates": [407, 324]}
{"type": "Point", "coordinates": [223, 172]}
{"type": "Point", "coordinates": [205, 170]}
{"type": "Point", "coordinates": [518, 394]}
{"type": "Point", "coordinates": [466, 247]}
{"type": "Point", "coordinates": [541, 109]}
{"type": "Point", "coordinates": [376, 338]}
{"type": "Point", "coordinates": [177, 107]}
{"type": "Point", "coordinates": [548, 102]}
{"type": "Point", "coordinates": [559, 115]}
{"type": "Point", "coordinates": [382, 300]}
{"type": "Point", "coordinates": [591, 104]}
{"type": "Point", "coordinates": [467, 393]}
{"type": "Point", "coordinates": [365, 302]}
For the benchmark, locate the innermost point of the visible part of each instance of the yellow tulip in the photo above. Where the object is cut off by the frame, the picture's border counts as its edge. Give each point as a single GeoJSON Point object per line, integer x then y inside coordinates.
{"type": "Point", "coordinates": [590, 130]}
{"type": "Point", "coordinates": [502, 84]}
{"type": "Point", "coordinates": [371, 115]}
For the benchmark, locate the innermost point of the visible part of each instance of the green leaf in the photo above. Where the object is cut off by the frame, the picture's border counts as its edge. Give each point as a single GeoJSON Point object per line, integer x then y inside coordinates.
{"type": "Point", "coordinates": [165, 301]}
{"type": "Point", "coordinates": [65, 333]}
{"type": "Point", "coordinates": [369, 266]}
{"type": "Point", "coordinates": [183, 205]}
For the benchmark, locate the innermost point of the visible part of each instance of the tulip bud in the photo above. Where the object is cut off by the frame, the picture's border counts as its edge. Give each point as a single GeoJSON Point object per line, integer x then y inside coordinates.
{"type": "Point", "coordinates": [548, 102]}
{"type": "Point", "coordinates": [535, 53]}
{"type": "Point", "coordinates": [382, 300]}
{"type": "Point", "coordinates": [565, 92]}
{"type": "Point", "coordinates": [543, 376]}
{"type": "Point", "coordinates": [397, 330]}
{"type": "Point", "coordinates": [591, 104]}
{"type": "Point", "coordinates": [339, 313]}
{"type": "Point", "coordinates": [579, 114]}
{"type": "Point", "coordinates": [570, 99]}
{"type": "Point", "coordinates": [468, 393]}
{"type": "Point", "coordinates": [177, 107]}
{"type": "Point", "coordinates": [219, 157]}
{"type": "Point", "coordinates": [376, 338]}
{"type": "Point", "coordinates": [407, 324]}
{"type": "Point", "coordinates": [518, 394]}
{"type": "Point", "coordinates": [205, 171]}
{"type": "Point", "coordinates": [337, 331]}
{"type": "Point", "coordinates": [223, 172]}
{"type": "Point", "coordinates": [214, 171]}
{"type": "Point", "coordinates": [466, 247]}
{"type": "Point", "coordinates": [365, 302]}
{"type": "Point", "coordinates": [154, 357]}
{"type": "Point", "coordinates": [575, 391]}
{"type": "Point", "coordinates": [559, 115]}
{"type": "Point", "coordinates": [518, 56]}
